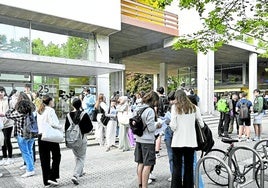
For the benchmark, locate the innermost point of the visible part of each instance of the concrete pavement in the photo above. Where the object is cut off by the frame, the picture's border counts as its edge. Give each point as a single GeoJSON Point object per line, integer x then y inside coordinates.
{"type": "Point", "coordinates": [107, 169]}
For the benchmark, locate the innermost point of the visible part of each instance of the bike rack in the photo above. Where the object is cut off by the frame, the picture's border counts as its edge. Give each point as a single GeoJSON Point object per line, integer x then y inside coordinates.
{"type": "Point", "coordinates": [255, 148]}
{"type": "Point", "coordinates": [254, 160]}
{"type": "Point", "coordinates": [200, 161]}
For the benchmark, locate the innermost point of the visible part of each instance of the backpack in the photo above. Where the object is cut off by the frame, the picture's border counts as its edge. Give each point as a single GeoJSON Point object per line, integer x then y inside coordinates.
{"type": "Point", "coordinates": [136, 124]}
{"type": "Point", "coordinates": [30, 129]}
{"type": "Point", "coordinates": [209, 141]}
{"type": "Point", "coordinates": [163, 105]}
{"type": "Point", "coordinates": [244, 111]}
{"type": "Point", "coordinates": [222, 105]}
{"type": "Point", "coordinates": [265, 103]}
{"type": "Point", "coordinates": [73, 135]}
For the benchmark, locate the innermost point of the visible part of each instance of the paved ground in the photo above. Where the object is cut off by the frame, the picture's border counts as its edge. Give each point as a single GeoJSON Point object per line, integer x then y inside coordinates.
{"type": "Point", "coordinates": [105, 169]}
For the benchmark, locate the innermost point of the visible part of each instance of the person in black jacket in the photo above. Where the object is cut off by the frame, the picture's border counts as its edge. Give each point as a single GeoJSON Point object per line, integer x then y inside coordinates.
{"type": "Point", "coordinates": [86, 126]}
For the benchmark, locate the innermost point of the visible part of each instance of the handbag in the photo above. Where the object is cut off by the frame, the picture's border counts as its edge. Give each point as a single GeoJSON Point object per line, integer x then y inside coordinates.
{"type": "Point", "coordinates": [123, 118]}
{"type": "Point", "coordinates": [104, 119]}
{"type": "Point", "coordinates": [200, 136]}
{"type": "Point", "coordinates": [51, 134]}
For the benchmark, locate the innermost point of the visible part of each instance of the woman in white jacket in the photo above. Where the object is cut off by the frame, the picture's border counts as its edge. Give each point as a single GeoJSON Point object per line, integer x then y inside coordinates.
{"type": "Point", "coordinates": [183, 116]}
{"type": "Point", "coordinates": [46, 116]}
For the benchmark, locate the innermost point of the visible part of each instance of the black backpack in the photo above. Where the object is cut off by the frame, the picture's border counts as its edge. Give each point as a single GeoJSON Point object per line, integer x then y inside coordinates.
{"type": "Point", "coordinates": [136, 124]}
{"type": "Point", "coordinates": [265, 103]}
{"type": "Point", "coordinates": [163, 105]}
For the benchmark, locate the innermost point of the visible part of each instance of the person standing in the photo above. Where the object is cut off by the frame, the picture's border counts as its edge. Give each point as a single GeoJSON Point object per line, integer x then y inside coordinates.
{"type": "Point", "coordinates": [100, 129]}
{"type": "Point", "coordinates": [46, 116]}
{"type": "Point", "coordinates": [19, 114]}
{"type": "Point", "coordinates": [183, 116]}
{"type": "Point", "coordinates": [145, 145]}
{"type": "Point", "coordinates": [111, 126]}
{"type": "Point", "coordinates": [234, 118]}
{"type": "Point", "coordinates": [243, 107]}
{"type": "Point", "coordinates": [85, 126]}
{"type": "Point", "coordinates": [258, 114]}
{"type": "Point", "coordinates": [225, 107]}
{"type": "Point", "coordinates": [7, 129]}
{"type": "Point", "coordinates": [88, 103]}
{"type": "Point", "coordinates": [122, 115]}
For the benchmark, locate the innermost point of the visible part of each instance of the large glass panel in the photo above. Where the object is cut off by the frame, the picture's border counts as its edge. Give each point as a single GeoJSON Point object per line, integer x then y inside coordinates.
{"type": "Point", "coordinates": [58, 45]}
{"type": "Point", "coordinates": [217, 75]}
{"type": "Point", "coordinates": [14, 39]}
{"type": "Point", "coordinates": [231, 74]}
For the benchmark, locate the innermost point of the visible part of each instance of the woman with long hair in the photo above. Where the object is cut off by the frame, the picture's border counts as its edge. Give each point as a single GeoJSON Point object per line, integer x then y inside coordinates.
{"type": "Point", "coordinates": [100, 129]}
{"type": "Point", "coordinates": [183, 116]}
{"type": "Point", "coordinates": [145, 144]}
{"type": "Point", "coordinates": [46, 116]}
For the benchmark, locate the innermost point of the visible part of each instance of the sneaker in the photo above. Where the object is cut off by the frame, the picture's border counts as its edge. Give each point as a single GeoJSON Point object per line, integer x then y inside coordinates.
{"type": "Point", "coordinates": [53, 182]}
{"type": "Point", "coordinates": [150, 181]}
{"type": "Point", "coordinates": [169, 179]}
{"type": "Point", "coordinates": [1, 174]}
{"type": "Point", "coordinates": [81, 175]}
{"type": "Point", "coordinates": [2, 162]}
{"type": "Point", "coordinates": [248, 140]}
{"type": "Point", "coordinates": [74, 180]}
{"type": "Point", "coordinates": [23, 167]}
{"type": "Point", "coordinates": [256, 139]}
{"type": "Point", "coordinates": [28, 174]}
{"type": "Point", "coordinates": [108, 149]}
{"type": "Point", "coordinates": [9, 161]}
{"type": "Point", "coordinates": [152, 177]}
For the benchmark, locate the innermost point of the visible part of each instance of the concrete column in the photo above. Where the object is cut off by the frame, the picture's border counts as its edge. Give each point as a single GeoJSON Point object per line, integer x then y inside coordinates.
{"type": "Point", "coordinates": [252, 81]}
{"type": "Point", "coordinates": [102, 55]}
{"type": "Point", "coordinates": [244, 73]}
{"type": "Point", "coordinates": [155, 84]}
{"type": "Point", "coordinates": [205, 81]}
{"type": "Point", "coordinates": [163, 76]}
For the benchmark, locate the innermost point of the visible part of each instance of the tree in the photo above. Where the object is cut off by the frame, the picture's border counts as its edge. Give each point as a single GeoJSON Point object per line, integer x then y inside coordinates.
{"type": "Point", "coordinates": [228, 20]}
{"type": "Point", "coordinates": [136, 82]}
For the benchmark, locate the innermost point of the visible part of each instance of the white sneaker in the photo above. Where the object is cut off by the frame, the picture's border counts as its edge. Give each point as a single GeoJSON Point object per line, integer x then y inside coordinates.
{"type": "Point", "coordinates": [150, 181]}
{"type": "Point", "coordinates": [23, 167]}
{"type": "Point", "coordinates": [152, 177]}
{"type": "Point", "coordinates": [169, 179]}
{"type": "Point", "coordinates": [1, 174]}
{"type": "Point", "coordinates": [28, 174]}
{"type": "Point", "coordinates": [9, 161]}
{"type": "Point", "coordinates": [2, 162]}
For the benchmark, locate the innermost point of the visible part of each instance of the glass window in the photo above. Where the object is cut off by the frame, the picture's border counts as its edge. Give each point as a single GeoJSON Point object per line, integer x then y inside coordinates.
{"type": "Point", "coordinates": [14, 39]}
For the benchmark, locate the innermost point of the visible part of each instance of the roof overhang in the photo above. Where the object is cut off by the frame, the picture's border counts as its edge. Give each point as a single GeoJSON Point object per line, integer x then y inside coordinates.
{"type": "Point", "coordinates": [43, 65]}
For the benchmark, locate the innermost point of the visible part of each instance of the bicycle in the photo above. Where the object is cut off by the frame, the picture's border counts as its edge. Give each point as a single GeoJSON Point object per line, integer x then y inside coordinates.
{"type": "Point", "coordinates": [217, 173]}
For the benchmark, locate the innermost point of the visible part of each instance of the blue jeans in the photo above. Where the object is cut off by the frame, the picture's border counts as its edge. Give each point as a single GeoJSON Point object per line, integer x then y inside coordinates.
{"type": "Point", "coordinates": [26, 148]}
{"type": "Point", "coordinates": [168, 139]}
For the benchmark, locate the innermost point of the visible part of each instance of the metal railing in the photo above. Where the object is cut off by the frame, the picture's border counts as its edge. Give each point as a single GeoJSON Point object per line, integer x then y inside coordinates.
{"type": "Point", "coordinates": [200, 161]}
{"type": "Point", "coordinates": [148, 14]}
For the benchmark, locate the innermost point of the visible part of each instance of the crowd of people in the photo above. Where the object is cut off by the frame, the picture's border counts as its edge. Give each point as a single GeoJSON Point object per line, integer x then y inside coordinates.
{"type": "Point", "coordinates": [172, 116]}
{"type": "Point", "coordinates": [237, 112]}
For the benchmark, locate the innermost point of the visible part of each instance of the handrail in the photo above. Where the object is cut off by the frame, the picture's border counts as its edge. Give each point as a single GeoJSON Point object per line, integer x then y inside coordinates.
{"type": "Point", "coordinates": [200, 161]}
{"type": "Point", "coordinates": [148, 14]}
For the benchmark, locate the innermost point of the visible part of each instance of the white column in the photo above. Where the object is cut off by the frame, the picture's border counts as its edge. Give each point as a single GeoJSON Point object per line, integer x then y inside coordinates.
{"type": "Point", "coordinates": [102, 55]}
{"type": "Point", "coordinates": [244, 73]}
{"type": "Point", "coordinates": [252, 80]}
{"type": "Point", "coordinates": [205, 81]}
{"type": "Point", "coordinates": [163, 76]}
{"type": "Point", "coordinates": [155, 81]}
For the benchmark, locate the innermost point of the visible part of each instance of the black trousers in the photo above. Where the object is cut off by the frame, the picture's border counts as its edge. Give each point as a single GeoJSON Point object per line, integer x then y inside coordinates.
{"type": "Point", "coordinates": [49, 171]}
{"type": "Point", "coordinates": [188, 177]}
{"type": "Point", "coordinates": [7, 147]}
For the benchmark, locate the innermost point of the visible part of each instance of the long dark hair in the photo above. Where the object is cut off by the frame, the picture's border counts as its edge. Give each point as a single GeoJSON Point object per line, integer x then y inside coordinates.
{"type": "Point", "coordinates": [77, 104]}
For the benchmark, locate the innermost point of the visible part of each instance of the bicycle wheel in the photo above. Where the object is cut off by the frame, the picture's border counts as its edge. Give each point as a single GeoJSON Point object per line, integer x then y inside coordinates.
{"type": "Point", "coordinates": [215, 170]}
{"type": "Point", "coordinates": [258, 174]}
{"type": "Point", "coordinates": [262, 148]}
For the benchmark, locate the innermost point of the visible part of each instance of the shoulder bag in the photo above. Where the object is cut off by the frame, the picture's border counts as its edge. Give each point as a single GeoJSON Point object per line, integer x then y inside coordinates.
{"type": "Point", "coordinates": [51, 134]}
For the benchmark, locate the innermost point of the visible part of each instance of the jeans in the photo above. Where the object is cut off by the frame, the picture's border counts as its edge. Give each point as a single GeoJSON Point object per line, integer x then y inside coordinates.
{"type": "Point", "coordinates": [26, 148]}
{"type": "Point", "coordinates": [168, 139]}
